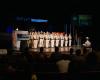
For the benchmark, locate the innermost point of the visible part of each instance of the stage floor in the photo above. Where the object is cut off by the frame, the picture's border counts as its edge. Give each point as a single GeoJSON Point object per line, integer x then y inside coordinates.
{"type": "Point", "coordinates": [61, 49]}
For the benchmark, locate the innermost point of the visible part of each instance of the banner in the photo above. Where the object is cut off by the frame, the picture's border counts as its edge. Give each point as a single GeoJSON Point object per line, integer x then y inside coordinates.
{"type": "Point", "coordinates": [22, 35]}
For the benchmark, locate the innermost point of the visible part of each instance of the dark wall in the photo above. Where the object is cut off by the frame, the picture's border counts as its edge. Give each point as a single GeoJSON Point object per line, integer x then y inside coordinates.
{"type": "Point", "coordinates": [5, 40]}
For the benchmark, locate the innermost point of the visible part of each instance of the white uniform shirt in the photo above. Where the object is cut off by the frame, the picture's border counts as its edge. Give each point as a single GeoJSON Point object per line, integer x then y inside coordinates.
{"type": "Point", "coordinates": [87, 43]}
{"type": "Point", "coordinates": [66, 37]}
{"type": "Point", "coordinates": [70, 37]}
{"type": "Point", "coordinates": [41, 36]}
{"type": "Point", "coordinates": [46, 36]}
{"type": "Point", "coordinates": [62, 37]}
{"type": "Point", "coordinates": [51, 36]}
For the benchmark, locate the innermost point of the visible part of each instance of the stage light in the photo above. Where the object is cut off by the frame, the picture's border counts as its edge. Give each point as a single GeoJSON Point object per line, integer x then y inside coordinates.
{"type": "Point", "coordinates": [38, 20]}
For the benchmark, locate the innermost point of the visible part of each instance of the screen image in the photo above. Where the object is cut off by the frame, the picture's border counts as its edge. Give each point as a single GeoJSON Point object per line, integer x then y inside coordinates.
{"type": "Point", "coordinates": [22, 37]}
{"type": "Point", "coordinates": [85, 20]}
{"type": "Point", "coordinates": [82, 20]}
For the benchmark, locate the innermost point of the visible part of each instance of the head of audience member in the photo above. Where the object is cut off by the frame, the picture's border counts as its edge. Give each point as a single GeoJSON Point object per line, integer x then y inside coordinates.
{"type": "Point", "coordinates": [56, 49]}
{"type": "Point", "coordinates": [65, 57]}
{"type": "Point", "coordinates": [78, 52]}
{"type": "Point", "coordinates": [71, 51]}
{"type": "Point", "coordinates": [41, 50]}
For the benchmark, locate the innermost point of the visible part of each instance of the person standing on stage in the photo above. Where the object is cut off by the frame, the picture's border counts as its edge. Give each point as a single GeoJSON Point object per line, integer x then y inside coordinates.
{"type": "Point", "coordinates": [29, 41]}
{"type": "Point", "coordinates": [35, 38]}
{"type": "Point", "coordinates": [47, 39]}
{"type": "Point", "coordinates": [57, 40]}
{"type": "Point", "coordinates": [52, 40]}
{"type": "Point", "coordinates": [41, 39]}
{"type": "Point", "coordinates": [70, 40]}
{"type": "Point", "coordinates": [32, 41]}
{"type": "Point", "coordinates": [66, 40]}
{"type": "Point", "coordinates": [62, 40]}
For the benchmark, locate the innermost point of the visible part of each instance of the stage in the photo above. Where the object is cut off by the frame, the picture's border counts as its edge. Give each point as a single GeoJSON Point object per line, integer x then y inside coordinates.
{"type": "Point", "coordinates": [49, 51]}
{"type": "Point", "coordinates": [61, 49]}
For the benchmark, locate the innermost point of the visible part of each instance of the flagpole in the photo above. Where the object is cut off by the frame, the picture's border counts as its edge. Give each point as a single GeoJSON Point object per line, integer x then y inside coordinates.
{"type": "Point", "coordinates": [70, 29]}
{"type": "Point", "coordinates": [70, 34]}
{"type": "Point", "coordinates": [66, 28]}
{"type": "Point", "coordinates": [76, 38]}
{"type": "Point", "coordinates": [73, 36]}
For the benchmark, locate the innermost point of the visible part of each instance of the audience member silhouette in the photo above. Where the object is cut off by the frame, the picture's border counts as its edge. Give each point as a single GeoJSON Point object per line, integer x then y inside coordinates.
{"type": "Point", "coordinates": [71, 51]}
{"type": "Point", "coordinates": [78, 62]}
{"type": "Point", "coordinates": [71, 54]}
{"type": "Point", "coordinates": [91, 59]}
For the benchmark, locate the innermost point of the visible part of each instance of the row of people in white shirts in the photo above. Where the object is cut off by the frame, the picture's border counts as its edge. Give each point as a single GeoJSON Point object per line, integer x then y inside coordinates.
{"type": "Point", "coordinates": [47, 39]}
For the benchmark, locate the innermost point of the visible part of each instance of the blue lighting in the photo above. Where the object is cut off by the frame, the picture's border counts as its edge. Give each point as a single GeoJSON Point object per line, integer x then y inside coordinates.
{"type": "Point", "coordinates": [38, 20]}
{"type": "Point", "coordinates": [9, 29]}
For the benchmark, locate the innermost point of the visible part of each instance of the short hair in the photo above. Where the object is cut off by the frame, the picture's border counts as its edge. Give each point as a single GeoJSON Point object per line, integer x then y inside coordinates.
{"type": "Point", "coordinates": [71, 50]}
{"type": "Point", "coordinates": [78, 52]}
{"type": "Point", "coordinates": [56, 49]}
{"type": "Point", "coordinates": [41, 49]}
